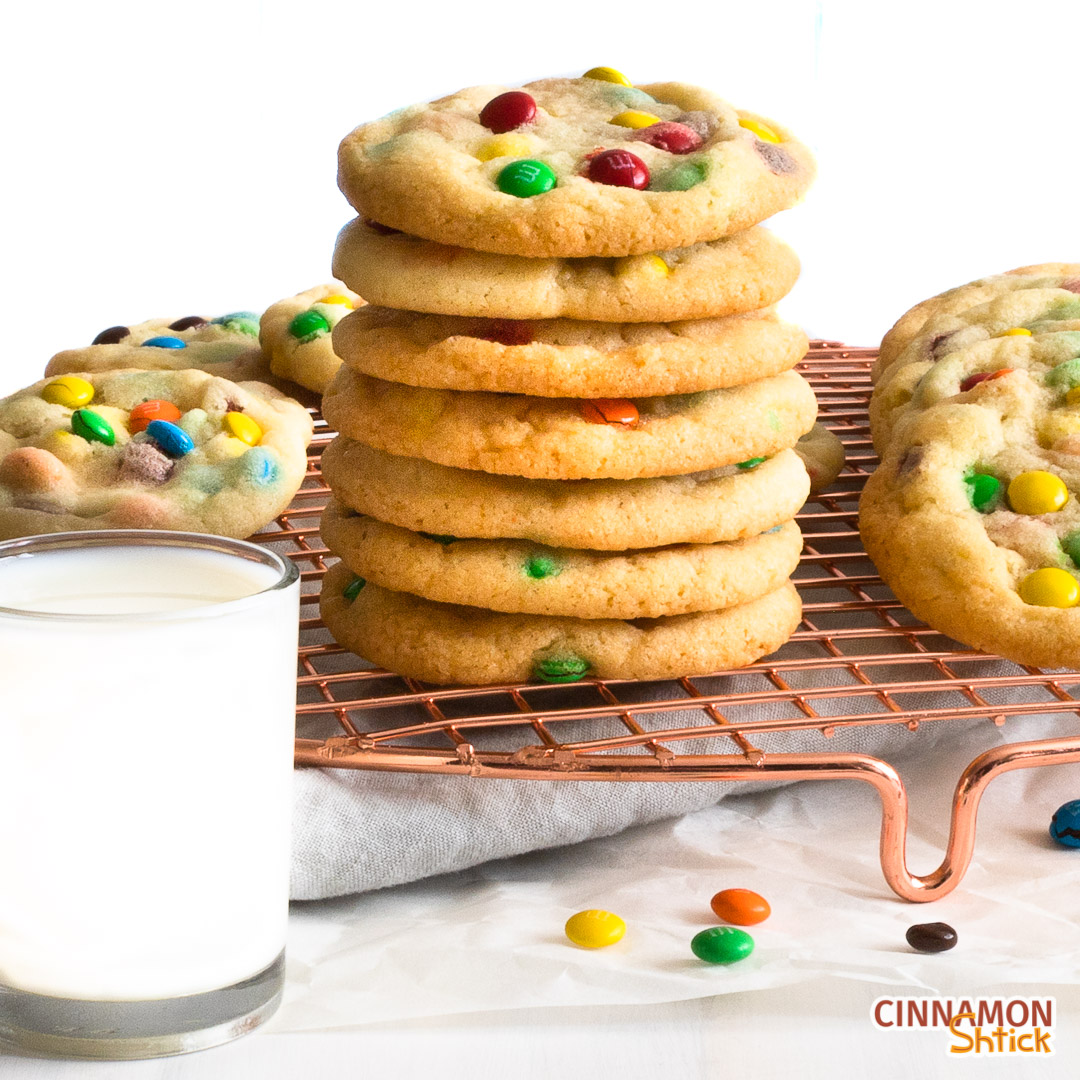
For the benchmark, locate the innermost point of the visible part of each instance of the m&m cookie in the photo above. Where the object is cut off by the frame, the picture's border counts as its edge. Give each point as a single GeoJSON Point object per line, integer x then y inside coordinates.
{"type": "Point", "coordinates": [973, 517]}
{"type": "Point", "coordinates": [915, 322]}
{"type": "Point", "coordinates": [522, 576]}
{"type": "Point", "coordinates": [567, 439]}
{"type": "Point", "coordinates": [745, 272]}
{"type": "Point", "coordinates": [296, 334]}
{"type": "Point", "coordinates": [567, 357]}
{"type": "Point", "coordinates": [224, 345]}
{"type": "Point", "coordinates": [148, 449]}
{"type": "Point", "coordinates": [452, 643]}
{"type": "Point", "coordinates": [728, 503]}
{"type": "Point", "coordinates": [573, 167]}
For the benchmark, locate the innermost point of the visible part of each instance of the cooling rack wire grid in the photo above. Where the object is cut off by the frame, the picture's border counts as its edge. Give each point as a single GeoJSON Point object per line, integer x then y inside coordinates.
{"type": "Point", "coordinates": [858, 658]}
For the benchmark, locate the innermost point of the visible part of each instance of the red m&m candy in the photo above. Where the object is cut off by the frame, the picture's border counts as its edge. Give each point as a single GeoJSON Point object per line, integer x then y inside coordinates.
{"type": "Point", "coordinates": [511, 110]}
{"type": "Point", "coordinates": [982, 376]}
{"type": "Point", "coordinates": [670, 136]}
{"type": "Point", "coordinates": [618, 168]}
{"type": "Point", "coordinates": [507, 331]}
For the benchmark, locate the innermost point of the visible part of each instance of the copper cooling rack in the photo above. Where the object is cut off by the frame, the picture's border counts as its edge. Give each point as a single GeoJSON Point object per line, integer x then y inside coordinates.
{"type": "Point", "coordinates": [859, 658]}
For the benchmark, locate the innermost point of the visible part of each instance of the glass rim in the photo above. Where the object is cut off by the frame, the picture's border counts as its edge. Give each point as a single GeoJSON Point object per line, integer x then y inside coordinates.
{"type": "Point", "coordinates": [288, 571]}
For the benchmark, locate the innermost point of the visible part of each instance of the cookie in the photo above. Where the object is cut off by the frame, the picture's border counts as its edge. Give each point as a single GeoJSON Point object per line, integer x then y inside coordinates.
{"type": "Point", "coordinates": [603, 515]}
{"type": "Point", "coordinates": [823, 455]}
{"type": "Point", "coordinates": [520, 576]}
{"type": "Point", "coordinates": [971, 373]}
{"type": "Point", "coordinates": [972, 517]}
{"type": "Point", "coordinates": [296, 334]}
{"type": "Point", "coordinates": [567, 439]}
{"type": "Point", "coordinates": [573, 167]}
{"type": "Point", "coordinates": [992, 336]}
{"type": "Point", "coordinates": [449, 643]}
{"type": "Point", "coordinates": [566, 357]}
{"type": "Point", "coordinates": [745, 272]}
{"type": "Point", "coordinates": [227, 346]}
{"type": "Point", "coordinates": [974, 294]}
{"type": "Point", "coordinates": [148, 450]}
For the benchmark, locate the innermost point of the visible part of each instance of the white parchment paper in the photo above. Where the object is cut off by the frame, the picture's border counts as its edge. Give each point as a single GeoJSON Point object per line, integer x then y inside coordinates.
{"type": "Point", "coordinates": [490, 937]}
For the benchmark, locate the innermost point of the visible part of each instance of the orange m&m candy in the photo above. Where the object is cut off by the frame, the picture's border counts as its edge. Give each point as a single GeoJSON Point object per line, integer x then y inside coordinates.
{"type": "Point", "coordinates": [142, 414]}
{"type": "Point", "coordinates": [740, 906]}
{"type": "Point", "coordinates": [616, 411]}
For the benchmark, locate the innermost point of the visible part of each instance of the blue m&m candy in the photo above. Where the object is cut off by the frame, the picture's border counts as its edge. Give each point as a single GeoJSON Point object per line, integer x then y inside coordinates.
{"type": "Point", "coordinates": [258, 467]}
{"type": "Point", "coordinates": [173, 440]}
{"type": "Point", "coordinates": [165, 343]}
{"type": "Point", "coordinates": [1065, 824]}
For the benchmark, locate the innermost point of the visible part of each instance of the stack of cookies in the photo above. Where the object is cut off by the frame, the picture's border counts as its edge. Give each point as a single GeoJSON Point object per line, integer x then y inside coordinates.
{"type": "Point", "coordinates": [567, 413]}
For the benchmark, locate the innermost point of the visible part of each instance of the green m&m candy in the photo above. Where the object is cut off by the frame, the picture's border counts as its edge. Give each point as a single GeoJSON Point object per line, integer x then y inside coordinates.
{"type": "Point", "coordinates": [93, 428]}
{"type": "Point", "coordinates": [309, 325]}
{"type": "Point", "coordinates": [1070, 544]}
{"type": "Point", "coordinates": [682, 177]}
{"type": "Point", "coordinates": [541, 566]}
{"type": "Point", "coordinates": [982, 489]}
{"type": "Point", "coordinates": [1066, 375]}
{"type": "Point", "coordinates": [352, 590]}
{"type": "Point", "coordinates": [749, 463]}
{"type": "Point", "coordinates": [526, 178]}
{"type": "Point", "coordinates": [722, 945]}
{"type": "Point", "coordinates": [561, 669]}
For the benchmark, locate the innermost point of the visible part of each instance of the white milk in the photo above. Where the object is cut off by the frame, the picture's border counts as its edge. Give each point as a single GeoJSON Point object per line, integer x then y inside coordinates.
{"type": "Point", "coordinates": [145, 770]}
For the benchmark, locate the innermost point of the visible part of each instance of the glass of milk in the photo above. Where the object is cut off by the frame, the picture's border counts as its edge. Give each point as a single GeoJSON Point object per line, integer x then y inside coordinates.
{"type": "Point", "coordinates": [147, 710]}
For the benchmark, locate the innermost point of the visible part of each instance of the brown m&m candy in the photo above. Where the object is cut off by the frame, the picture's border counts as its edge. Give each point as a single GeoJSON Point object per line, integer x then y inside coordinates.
{"type": "Point", "coordinates": [188, 322]}
{"type": "Point", "coordinates": [113, 335]}
{"type": "Point", "coordinates": [931, 937]}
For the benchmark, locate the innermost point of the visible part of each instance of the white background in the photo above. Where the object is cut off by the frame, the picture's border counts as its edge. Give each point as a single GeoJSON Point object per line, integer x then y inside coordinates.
{"type": "Point", "coordinates": [176, 159]}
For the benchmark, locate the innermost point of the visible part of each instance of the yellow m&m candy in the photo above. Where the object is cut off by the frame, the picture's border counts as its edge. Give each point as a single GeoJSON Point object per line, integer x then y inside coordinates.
{"type": "Point", "coordinates": [649, 264]}
{"type": "Point", "coordinates": [243, 428]}
{"type": "Point", "coordinates": [1015, 331]}
{"type": "Point", "coordinates": [69, 391]}
{"type": "Point", "coordinates": [594, 929]}
{"type": "Point", "coordinates": [762, 131]}
{"type": "Point", "coordinates": [337, 300]}
{"type": "Point", "coordinates": [1037, 492]}
{"type": "Point", "coordinates": [606, 74]}
{"type": "Point", "coordinates": [634, 118]}
{"type": "Point", "coordinates": [1050, 587]}
{"type": "Point", "coordinates": [509, 145]}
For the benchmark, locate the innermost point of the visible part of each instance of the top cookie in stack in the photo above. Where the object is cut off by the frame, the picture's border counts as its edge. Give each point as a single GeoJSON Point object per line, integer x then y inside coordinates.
{"type": "Point", "coordinates": [623, 170]}
{"type": "Point", "coordinates": [569, 363]}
